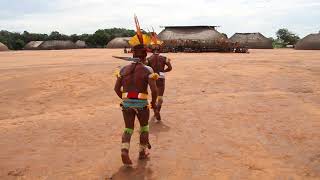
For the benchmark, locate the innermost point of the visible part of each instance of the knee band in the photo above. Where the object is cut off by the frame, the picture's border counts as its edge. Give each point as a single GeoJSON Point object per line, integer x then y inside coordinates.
{"type": "Point", "coordinates": [128, 131]}
{"type": "Point", "coordinates": [125, 146]}
{"type": "Point", "coordinates": [142, 147]}
{"type": "Point", "coordinates": [144, 129]}
{"type": "Point", "coordinates": [160, 100]}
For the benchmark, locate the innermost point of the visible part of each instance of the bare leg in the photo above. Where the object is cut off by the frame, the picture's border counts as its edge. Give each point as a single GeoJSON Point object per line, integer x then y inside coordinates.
{"type": "Point", "coordinates": [161, 88]}
{"type": "Point", "coordinates": [129, 117]}
{"type": "Point", "coordinates": [143, 117]}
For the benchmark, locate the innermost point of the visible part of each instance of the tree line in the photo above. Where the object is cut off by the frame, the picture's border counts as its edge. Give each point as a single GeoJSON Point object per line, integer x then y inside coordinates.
{"type": "Point", "coordinates": [284, 38]}
{"type": "Point", "coordinates": [16, 41]}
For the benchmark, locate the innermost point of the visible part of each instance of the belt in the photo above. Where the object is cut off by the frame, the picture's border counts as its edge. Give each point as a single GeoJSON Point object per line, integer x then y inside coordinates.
{"type": "Point", "coordinates": [136, 104]}
{"type": "Point", "coordinates": [134, 95]}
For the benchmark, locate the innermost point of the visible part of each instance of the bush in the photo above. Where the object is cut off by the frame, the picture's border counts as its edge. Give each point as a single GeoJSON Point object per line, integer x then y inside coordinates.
{"type": "Point", "coordinates": [286, 37]}
{"type": "Point", "coordinates": [16, 41]}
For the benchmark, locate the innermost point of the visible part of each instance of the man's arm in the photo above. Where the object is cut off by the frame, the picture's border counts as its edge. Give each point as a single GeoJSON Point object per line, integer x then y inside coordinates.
{"type": "Point", "coordinates": [117, 87]}
{"type": "Point", "coordinates": [169, 66]}
{"type": "Point", "coordinates": [154, 91]}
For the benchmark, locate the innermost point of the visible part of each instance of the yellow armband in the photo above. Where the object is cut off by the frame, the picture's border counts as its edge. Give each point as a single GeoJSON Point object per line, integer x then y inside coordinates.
{"type": "Point", "coordinates": [117, 73]}
{"type": "Point", "coordinates": [154, 76]}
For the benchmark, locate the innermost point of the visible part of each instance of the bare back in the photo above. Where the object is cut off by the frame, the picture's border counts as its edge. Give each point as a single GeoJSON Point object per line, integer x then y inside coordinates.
{"type": "Point", "coordinates": [157, 62]}
{"type": "Point", "coordinates": [135, 78]}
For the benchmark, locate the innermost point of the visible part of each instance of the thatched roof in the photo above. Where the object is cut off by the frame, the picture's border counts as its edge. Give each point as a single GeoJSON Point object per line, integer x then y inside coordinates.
{"type": "Point", "coordinates": [189, 36]}
{"type": "Point", "coordinates": [33, 45]}
{"type": "Point", "coordinates": [81, 44]}
{"type": "Point", "coordinates": [3, 47]}
{"type": "Point", "coordinates": [119, 42]}
{"type": "Point", "coordinates": [310, 42]}
{"type": "Point", "coordinates": [190, 33]}
{"type": "Point", "coordinates": [56, 45]}
{"type": "Point", "coordinates": [252, 40]}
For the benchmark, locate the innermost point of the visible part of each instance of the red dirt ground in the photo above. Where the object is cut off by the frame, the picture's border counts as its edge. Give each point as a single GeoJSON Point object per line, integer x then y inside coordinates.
{"type": "Point", "coordinates": [225, 116]}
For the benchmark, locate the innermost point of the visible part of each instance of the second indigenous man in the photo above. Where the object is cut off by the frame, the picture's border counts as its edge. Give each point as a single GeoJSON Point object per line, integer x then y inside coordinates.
{"type": "Point", "coordinates": [160, 65]}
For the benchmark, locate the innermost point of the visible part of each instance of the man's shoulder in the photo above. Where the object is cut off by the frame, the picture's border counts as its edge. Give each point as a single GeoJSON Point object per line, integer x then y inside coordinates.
{"type": "Point", "coordinates": [157, 56]}
{"type": "Point", "coordinates": [150, 57]}
{"type": "Point", "coordinates": [123, 68]}
{"type": "Point", "coordinates": [148, 68]}
{"type": "Point", "coordinates": [163, 57]}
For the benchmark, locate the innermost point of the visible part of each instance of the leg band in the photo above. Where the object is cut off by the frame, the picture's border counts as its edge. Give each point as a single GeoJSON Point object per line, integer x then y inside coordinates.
{"type": "Point", "coordinates": [125, 146]}
{"type": "Point", "coordinates": [128, 131]}
{"type": "Point", "coordinates": [160, 100]}
{"type": "Point", "coordinates": [144, 129]}
{"type": "Point", "coordinates": [142, 147]}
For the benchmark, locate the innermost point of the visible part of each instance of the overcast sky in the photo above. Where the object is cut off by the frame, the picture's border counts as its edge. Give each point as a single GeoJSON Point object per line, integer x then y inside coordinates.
{"type": "Point", "coordinates": [86, 16]}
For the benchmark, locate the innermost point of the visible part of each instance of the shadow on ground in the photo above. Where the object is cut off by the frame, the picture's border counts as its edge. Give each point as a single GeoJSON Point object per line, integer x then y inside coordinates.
{"type": "Point", "coordinates": [140, 172]}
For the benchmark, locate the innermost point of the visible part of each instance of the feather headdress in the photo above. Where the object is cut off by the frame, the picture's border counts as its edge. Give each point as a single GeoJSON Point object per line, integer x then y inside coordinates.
{"type": "Point", "coordinates": [139, 38]}
{"type": "Point", "coordinates": [155, 39]}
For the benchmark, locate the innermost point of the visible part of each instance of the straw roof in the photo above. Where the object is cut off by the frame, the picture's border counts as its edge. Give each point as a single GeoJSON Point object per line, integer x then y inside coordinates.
{"type": "Point", "coordinates": [252, 40]}
{"type": "Point", "coordinates": [56, 45]}
{"type": "Point", "coordinates": [190, 33]}
{"type": "Point", "coordinates": [81, 44]}
{"type": "Point", "coordinates": [176, 36]}
{"type": "Point", "coordinates": [310, 42]}
{"type": "Point", "coordinates": [119, 42]}
{"type": "Point", "coordinates": [3, 47]}
{"type": "Point", "coordinates": [33, 45]}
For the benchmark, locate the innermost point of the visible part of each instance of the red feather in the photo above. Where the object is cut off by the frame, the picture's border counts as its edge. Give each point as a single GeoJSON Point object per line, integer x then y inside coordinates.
{"type": "Point", "coordinates": [139, 33]}
{"type": "Point", "coordinates": [154, 37]}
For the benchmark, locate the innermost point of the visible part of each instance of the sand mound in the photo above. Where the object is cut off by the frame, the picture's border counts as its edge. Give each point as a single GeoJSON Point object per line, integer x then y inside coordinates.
{"type": "Point", "coordinates": [3, 47]}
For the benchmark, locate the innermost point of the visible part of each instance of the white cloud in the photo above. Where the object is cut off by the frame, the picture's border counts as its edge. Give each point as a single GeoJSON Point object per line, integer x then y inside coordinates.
{"type": "Point", "coordinates": [86, 16]}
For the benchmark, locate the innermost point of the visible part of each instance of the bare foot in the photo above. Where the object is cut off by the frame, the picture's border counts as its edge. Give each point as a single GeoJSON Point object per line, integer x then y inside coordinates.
{"type": "Point", "coordinates": [143, 155]}
{"type": "Point", "coordinates": [153, 118]}
{"type": "Point", "coordinates": [125, 158]}
{"type": "Point", "coordinates": [157, 116]}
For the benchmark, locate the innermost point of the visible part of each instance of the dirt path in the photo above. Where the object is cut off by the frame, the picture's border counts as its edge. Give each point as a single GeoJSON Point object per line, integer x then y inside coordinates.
{"type": "Point", "coordinates": [225, 116]}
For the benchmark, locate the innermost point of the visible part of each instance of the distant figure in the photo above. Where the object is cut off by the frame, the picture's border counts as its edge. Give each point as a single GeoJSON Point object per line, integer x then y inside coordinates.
{"type": "Point", "coordinates": [132, 87]}
{"type": "Point", "coordinates": [125, 50]}
{"type": "Point", "coordinates": [160, 65]}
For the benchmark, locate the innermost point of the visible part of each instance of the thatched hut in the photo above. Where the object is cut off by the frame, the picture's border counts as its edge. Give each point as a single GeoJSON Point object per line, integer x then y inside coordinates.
{"type": "Point", "coordinates": [119, 42]}
{"type": "Point", "coordinates": [81, 44]}
{"type": "Point", "coordinates": [191, 36]}
{"type": "Point", "coordinates": [252, 40]}
{"type": "Point", "coordinates": [310, 42]}
{"type": "Point", "coordinates": [56, 45]}
{"type": "Point", "coordinates": [33, 45]}
{"type": "Point", "coordinates": [3, 47]}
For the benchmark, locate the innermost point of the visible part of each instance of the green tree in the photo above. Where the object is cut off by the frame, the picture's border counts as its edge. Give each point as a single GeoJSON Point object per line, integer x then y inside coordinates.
{"type": "Point", "coordinates": [90, 41]}
{"type": "Point", "coordinates": [286, 37]}
{"type": "Point", "coordinates": [55, 35]}
{"type": "Point", "coordinates": [18, 44]}
{"type": "Point", "coordinates": [74, 38]}
{"type": "Point", "coordinates": [27, 37]}
{"type": "Point", "coordinates": [100, 38]}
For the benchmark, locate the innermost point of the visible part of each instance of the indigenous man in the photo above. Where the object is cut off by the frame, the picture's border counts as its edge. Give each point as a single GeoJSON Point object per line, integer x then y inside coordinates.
{"type": "Point", "coordinates": [160, 65]}
{"type": "Point", "coordinates": [132, 86]}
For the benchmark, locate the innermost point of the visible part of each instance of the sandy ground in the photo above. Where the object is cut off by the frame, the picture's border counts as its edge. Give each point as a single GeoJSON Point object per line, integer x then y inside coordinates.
{"type": "Point", "coordinates": [225, 116]}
